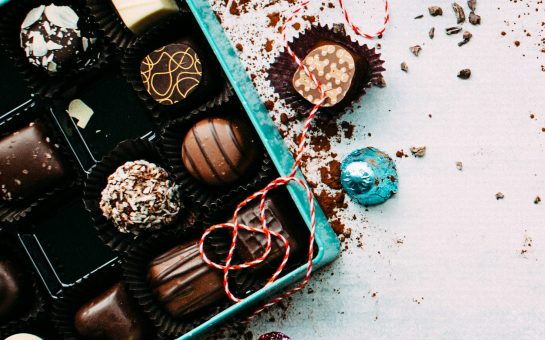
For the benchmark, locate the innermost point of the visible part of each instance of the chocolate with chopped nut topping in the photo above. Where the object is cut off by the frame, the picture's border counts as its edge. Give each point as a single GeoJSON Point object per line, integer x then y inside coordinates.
{"type": "Point", "coordinates": [140, 196]}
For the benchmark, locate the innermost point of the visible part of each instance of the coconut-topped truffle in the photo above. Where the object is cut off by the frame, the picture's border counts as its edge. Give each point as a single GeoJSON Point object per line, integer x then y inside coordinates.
{"type": "Point", "coordinates": [51, 37]}
{"type": "Point", "coordinates": [140, 196]}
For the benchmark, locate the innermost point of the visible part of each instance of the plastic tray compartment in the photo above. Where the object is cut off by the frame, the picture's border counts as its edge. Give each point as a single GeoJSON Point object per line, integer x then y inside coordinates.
{"type": "Point", "coordinates": [327, 243]}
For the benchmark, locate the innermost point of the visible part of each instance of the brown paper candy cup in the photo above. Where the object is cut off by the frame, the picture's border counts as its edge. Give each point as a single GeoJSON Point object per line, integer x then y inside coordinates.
{"type": "Point", "coordinates": [212, 90]}
{"type": "Point", "coordinates": [32, 305]}
{"type": "Point", "coordinates": [17, 210]}
{"type": "Point", "coordinates": [283, 68]}
{"type": "Point", "coordinates": [81, 292]}
{"type": "Point", "coordinates": [37, 78]}
{"type": "Point", "coordinates": [213, 197]}
{"type": "Point", "coordinates": [129, 150]}
{"type": "Point", "coordinates": [111, 25]}
{"type": "Point", "coordinates": [135, 271]}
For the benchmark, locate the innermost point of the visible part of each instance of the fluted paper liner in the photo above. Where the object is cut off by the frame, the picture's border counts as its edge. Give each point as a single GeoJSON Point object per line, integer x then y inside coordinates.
{"type": "Point", "coordinates": [37, 78]}
{"type": "Point", "coordinates": [281, 71]}
{"type": "Point", "coordinates": [129, 150]}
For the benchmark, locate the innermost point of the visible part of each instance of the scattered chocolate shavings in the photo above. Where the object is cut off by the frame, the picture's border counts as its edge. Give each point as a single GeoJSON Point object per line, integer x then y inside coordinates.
{"type": "Point", "coordinates": [472, 4]}
{"type": "Point", "coordinates": [500, 196]}
{"type": "Point", "coordinates": [331, 175]}
{"type": "Point", "coordinates": [419, 16]}
{"type": "Point", "coordinates": [431, 33]}
{"type": "Point", "coordinates": [453, 30]}
{"type": "Point", "coordinates": [464, 74]}
{"type": "Point", "coordinates": [404, 67]}
{"type": "Point", "coordinates": [401, 154]}
{"type": "Point", "coordinates": [459, 166]}
{"type": "Point", "coordinates": [467, 37]}
{"type": "Point", "coordinates": [526, 245]}
{"type": "Point", "coordinates": [274, 18]}
{"type": "Point", "coordinates": [380, 82]}
{"type": "Point", "coordinates": [537, 200]}
{"type": "Point", "coordinates": [474, 19]}
{"type": "Point", "coordinates": [435, 11]}
{"type": "Point", "coordinates": [416, 50]}
{"type": "Point", "coordinates": [459, 12]}
{"type": "Point", "coordinates": [418, 151]}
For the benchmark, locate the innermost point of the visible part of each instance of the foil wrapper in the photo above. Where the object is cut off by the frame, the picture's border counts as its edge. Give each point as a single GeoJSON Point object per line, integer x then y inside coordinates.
{"type": "Point", "coordinates": [369, 176]}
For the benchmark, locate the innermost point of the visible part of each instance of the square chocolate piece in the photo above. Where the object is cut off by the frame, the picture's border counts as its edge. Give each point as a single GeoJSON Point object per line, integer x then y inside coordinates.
{"type": "Point", "coordinates": [30, 163]}
{"type": "Point", "coordinates": [280, 218]}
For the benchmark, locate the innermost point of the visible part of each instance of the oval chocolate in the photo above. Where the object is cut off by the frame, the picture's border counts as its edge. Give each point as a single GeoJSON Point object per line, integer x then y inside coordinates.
{"type": "Point", "coordinates": [218, 151]}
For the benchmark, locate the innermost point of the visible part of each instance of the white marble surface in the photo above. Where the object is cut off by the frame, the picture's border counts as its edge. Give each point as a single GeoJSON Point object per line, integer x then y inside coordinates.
{"type": "Point", "coordinates": [443, 258]}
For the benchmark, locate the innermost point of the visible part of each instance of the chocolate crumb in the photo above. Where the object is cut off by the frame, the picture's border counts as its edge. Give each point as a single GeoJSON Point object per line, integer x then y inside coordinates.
{"type": "Point", "coordinates": [296, 26]}
{"type": "Point", "coordinates": [284, 118]}
{"type": "Point", "coordinates": [269, 45]}
{"type": "Point", "coordinates": [517, 43]}
{"type": "Point", "coordinates": [400, 154]}
{"type": "Point", "coordinates": [415, 50]}
{"type": "Point", "coordinates": [274, 18]}
{"type": "Point", "coordinates": [419, 16]}
{"type": "Point", "coordinates": [459, 166]}
{"type": "Point", "coordinates": [474, 19]}
{"type": "Point", "coordinates": [537, 200]}
{"type": "Point", "coordinates": [467, 37]}
{"type": "Point", "coordinates": [269, 104]}
{"type": "Point", "coordinates": [453, 30]}
{"type": "Point", "coordinates": [404, 67]}
{"type": "Point", "coordinates": [435, 11]}
{"type": "Point", "coordinates": [348, 129]}
{"type": "Point", "coordinates": [431, 33]}
{"type": "Point", "coordinates": [472, 4]}
{"type": "Point", "coordinates": [418, 151]}
{"type": "Point", "coordinates": [500, 196]}
{"type": "Point", "coordinates": [380, 82]}
{"type": "Point", "coordinates": [239, 47]}
{"type": "Point", "coordinates": [464, 74]}
{"type": "Point", "coordinates": [459, 12]}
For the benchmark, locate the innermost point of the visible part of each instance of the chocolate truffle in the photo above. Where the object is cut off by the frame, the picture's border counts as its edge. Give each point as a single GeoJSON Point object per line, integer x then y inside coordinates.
{"type": "Point", "coordinates": [23, 336]}
{"type": "Point", "coordinates": [113, 315]}
{"type": "Point", "coordinates": [138, 15]}
{"type": "Point", "coordinates": [183, 282]}
{"type": "Point", "coordinates": [334, 66]}
{"type": "Point", "coordinates": [171, 73]}
{"type": "Point", "coordinates": [140, 196]}
{"type": "Point", "coordinates": [51, 38]}
{"type": "Point", "coordinates": [11, 280]}
{"type": "Point", "coordinates": [219, 150]}
{"type": "Point", "coordinates": [280, 218]}
{"type": "Point", "coordinates": [29, 164]}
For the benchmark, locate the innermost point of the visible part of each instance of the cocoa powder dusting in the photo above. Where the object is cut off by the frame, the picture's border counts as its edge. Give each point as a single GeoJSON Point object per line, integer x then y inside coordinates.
{"type": "Point", "coordinates": [331, 175]}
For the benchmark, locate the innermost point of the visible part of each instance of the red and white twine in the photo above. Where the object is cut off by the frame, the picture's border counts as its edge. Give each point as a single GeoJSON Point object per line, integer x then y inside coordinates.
{"type": "Point", "coordinates": [278, 182]}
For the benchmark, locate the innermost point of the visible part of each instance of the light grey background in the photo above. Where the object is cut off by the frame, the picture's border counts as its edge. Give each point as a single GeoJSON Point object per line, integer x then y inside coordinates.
{"type": "Point", "coordinates": [443, 258]}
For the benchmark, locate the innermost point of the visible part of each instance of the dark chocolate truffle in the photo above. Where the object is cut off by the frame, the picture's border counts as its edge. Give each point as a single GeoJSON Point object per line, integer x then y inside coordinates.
{"type": "Point", "coordinates": [140, 196]}
{"type": "Point", "coordinates": [280, 218]}
{"type": "Point", "coordinates": [334, 66]}
{"type": "Point", "coordinates": [29, 163]}
{"type": "Point", "coordinates": [51, 38]}
{"type": "Point", "coordinates": [218, 150]}
{"type": "Point", "coordinates": [113, 315]}
{"type": "Point", "coordinates": [11, 280]}
{"type": "Point", "coordinates": [171, 73]}
{"type": "Point", "coordinates": [183, 282]}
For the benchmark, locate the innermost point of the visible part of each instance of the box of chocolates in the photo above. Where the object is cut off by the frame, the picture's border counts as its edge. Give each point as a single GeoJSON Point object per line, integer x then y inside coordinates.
{"type": "Point", "coordinates": [127, 130]}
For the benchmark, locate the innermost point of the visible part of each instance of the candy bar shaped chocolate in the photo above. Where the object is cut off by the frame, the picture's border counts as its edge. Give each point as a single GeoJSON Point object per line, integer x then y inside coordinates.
{"type": "Point", "coordinates": [138, 15]}
{"type": "Point", "coordinates": [334, 66]}
{"type": "Point", "coordinates": [183, 282]}
{"type": "Point", "coordinates": [113, 315]}
{"type": "Point", "coordinates": [251, 246]}
{"type": "Point", "coordinates": [29, 164]}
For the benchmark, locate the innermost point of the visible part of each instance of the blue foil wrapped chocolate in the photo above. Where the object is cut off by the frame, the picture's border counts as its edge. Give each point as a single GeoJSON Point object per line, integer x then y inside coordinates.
{"type": "Point", "coordinates": [369, 176]}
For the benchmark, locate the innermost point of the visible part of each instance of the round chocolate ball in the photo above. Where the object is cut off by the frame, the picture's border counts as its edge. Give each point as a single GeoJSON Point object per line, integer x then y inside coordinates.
{"type": "Point", "coordinates": [10, 288]}
{"type": "Point", "coordinates": [218, 150]}
{"type": "Point", "coordinates": [51, 38]}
